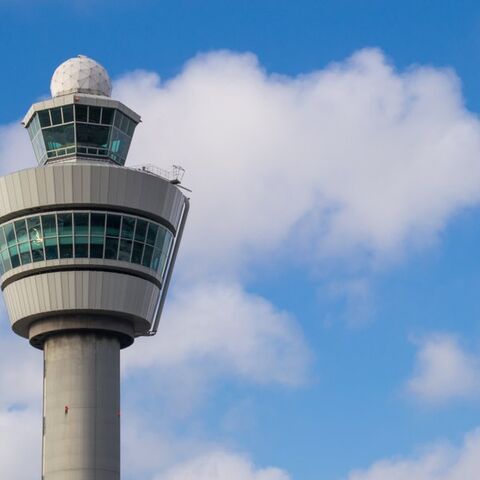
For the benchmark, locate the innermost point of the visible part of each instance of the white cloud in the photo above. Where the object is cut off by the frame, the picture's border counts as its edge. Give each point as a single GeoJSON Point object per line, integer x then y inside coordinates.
{"type": "Point", "coordinates": [218, 329]}
{"type": "Point", "coordinates": [221, 465]}
{"type": "Point", "coordinates": [20, 372]}
{"type": "Point", "coordinates": [444, 370]}
{"type": "Point", "coordinates": [20, 440]}
{"type": "Point", "coordinates": [356, 157]}
{"type": "Point", "coordinates": [438, 462]}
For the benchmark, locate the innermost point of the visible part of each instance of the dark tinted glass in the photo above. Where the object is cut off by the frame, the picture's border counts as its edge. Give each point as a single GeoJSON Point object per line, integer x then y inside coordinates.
{"type": "Point", "coordinates": [6, 260]}
{"type": "Point", "coordinates": [68, 113]}
{"type": "Point", "coordinates": [156, 259]}
{"type": "Point", "coordinates": [94, 114]}
{"type": "Point", "coordinates": [34, 239]}
{"type": "Point", "coordinates": [49, 225]}
{"type": "Point", "coordinates": [10, 234]}
{"type": "Point", "coordinates": [21, 230]}
{"type": "Point", "coordinates": [118, 119]}
{"type": "Point", "coordinates": [37, 250]}
{"type": "Point", "coordinates": [137, 252]}
{"type": "Point", "coordinates": [34, 230]}
{"type": "Point", "coordinates": [59, 137]}
{"type": "Point", "coordinates": [81, 113]}
{"type": "Point", "coordinates": [44, 118]}
{"type": "Point", "coordinates": [119, 143]}
{"type": "Point", "coordinates": [113, 225]}
{"type": "Point", "coordinates": [128, 226]}
{"type": "Point", "coordinates": [131, 128]}
{"type": "Point", "coordinates": [81, 246]}
{"type": "Point", "coordinates": [3, 242]}
{"type": "Point", "coordinates": [97, 223]}
{"type": "Point", "coordinates": [80, 220]}
{"type": "Point", "coordinates": [14, 256]}
{"type": "Point", "coordinates": [125, 250]}
{"type": "Point", "coordinates": [107, 116]}
{"type": "Point", "coordinates": [147, 256]}
{"type": "Point", "coordinates": [25, 256]}
{"type": "Point", "coordinates": [96, 247]}
{"type": "Point", "coordinates": [111, 248]}
{"type": "Point", "coordinates": [92, 135]}
{"type": "Point", "coordinates": [56, 114]}
{"type": "Point", "coordinates": [160, 239]}
{"type": "Point", "coordinates": [51, 250]}
{"type": "Point", "coordinates": [66, 247]}
{"type": "Point", "coordinates": [140, 230]}
{"type": "Point", "coordinates": [64, 223]}
{"type": "Point", "coordinates": [152, 233]}
{"type": "Point", "coordinates": [124, 124]}
{"type": "Point", "coordinates": [35, 235]}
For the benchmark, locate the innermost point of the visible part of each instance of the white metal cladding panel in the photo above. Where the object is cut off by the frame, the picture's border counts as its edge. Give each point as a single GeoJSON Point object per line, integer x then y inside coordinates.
{"type": "Point", "coordinates": [59, 292]}
{"type": "Point", "coordinates": [102, 185]}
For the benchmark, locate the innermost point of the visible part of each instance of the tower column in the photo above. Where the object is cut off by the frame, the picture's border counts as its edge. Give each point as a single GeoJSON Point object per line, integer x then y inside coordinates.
{"type": "Point", "coordinates": [81, 437]}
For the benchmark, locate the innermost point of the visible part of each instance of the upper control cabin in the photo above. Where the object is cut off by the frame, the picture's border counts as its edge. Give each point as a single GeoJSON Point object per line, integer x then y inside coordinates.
{"type": "Point", "coordinates": [81, 121]}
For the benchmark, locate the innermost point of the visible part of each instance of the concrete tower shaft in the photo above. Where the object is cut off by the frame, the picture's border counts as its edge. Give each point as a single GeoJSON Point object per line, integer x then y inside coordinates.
{"type": "Point", "coordinates": [82, 407]}
{"type": "Point", "coordinates": [87, 249]}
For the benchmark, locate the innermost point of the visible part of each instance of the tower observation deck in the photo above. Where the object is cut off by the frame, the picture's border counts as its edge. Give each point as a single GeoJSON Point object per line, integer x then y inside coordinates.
{"type": "Point", "coordinates": [87, 248]}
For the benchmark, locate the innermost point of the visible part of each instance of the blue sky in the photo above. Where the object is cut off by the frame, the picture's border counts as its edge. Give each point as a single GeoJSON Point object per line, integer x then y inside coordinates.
{"type": "Point", "coordinates": [329, 322]}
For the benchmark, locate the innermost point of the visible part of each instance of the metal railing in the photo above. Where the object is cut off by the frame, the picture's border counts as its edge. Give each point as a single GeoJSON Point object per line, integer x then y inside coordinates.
{"type": "Point", "coordinates": [173, 175]}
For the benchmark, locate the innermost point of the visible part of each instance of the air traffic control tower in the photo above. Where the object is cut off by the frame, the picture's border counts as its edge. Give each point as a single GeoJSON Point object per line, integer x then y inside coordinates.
{"type": "Point", "coordinates": [87, 250]}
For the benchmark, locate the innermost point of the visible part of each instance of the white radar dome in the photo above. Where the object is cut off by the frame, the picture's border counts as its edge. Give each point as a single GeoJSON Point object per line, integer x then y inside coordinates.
{"type": "Point", "coordinates": [80, 75]}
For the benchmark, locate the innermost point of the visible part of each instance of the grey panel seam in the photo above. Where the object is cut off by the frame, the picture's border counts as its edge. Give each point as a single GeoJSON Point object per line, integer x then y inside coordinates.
{"type": "Point", "coordinates": [64, 268]}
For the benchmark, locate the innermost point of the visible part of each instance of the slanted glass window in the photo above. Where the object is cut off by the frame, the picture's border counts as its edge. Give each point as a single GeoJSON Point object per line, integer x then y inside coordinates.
{"type": "Point", "coordinates": [81, 246]}
{"type": "Point", "coordinates": [10, 235]}
{"type": "Point", "coordinates": [21, 230]}
{"type": "Point", "coordinates": [56, 115]}
{"type": "Point", "coordinates": [92, 135]}
{"type": "Point", "coordinates": [119, 144]}
{"type": "Point", "coordinates": [96, 246]}
{"type": "Point", "coordinates": [59, 137]}
{"type": "Point", "coordinates": [125, 250]}
{"type": "Point", "coordinates": [94, 114]}
{"type": "Point", "coordinates": [97, 224]}
{"type": "Point", "coordinates": [51, 248]}
{"type": "Point", "coordinates": [80, 220]}
{"type": "Point", "coordinates": [44, 117]}
{"type": "Point", "coordinates": [67, 113]}
{"type": "Point", "coordinates": [66, 247]}
{"type": "Point", "coordinates": [14, 257]}
{"type": "Point", "coordinates": [25, 255]}
{"type": "Point", "coordinates": [111, 248]}
{"type": "Point", "coordinates": [36, 238]}
{"type": "Point", "coordinates": [137, 252]}
{"type": "Point", "coordinates": [128, 226]}
{"type": "Point", "coordinates": [3, 241]}
{"type": "Point", "coordinates": [82, 234]}
{"type": "Point", "coordinates": [81, 113]}
{"type": "Point", "coordinates": [107, 116]}
{"type": "Point", "coordinates": [140, 230]}
{"type": "Point", "coordinates": [152, 233]}
{"type": "Point", "coordinates": [113, 225]}
{"type": "Point", "coordinates": [91, 131]}
{"type": "Point", "coordinates": [147, 256]}
{"type": "Point", "coordinates": [64, 223]}
{"type": "Point", "coordinates": [7, 264]}
{"type": "Point", "coordinates": [49, 224]}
